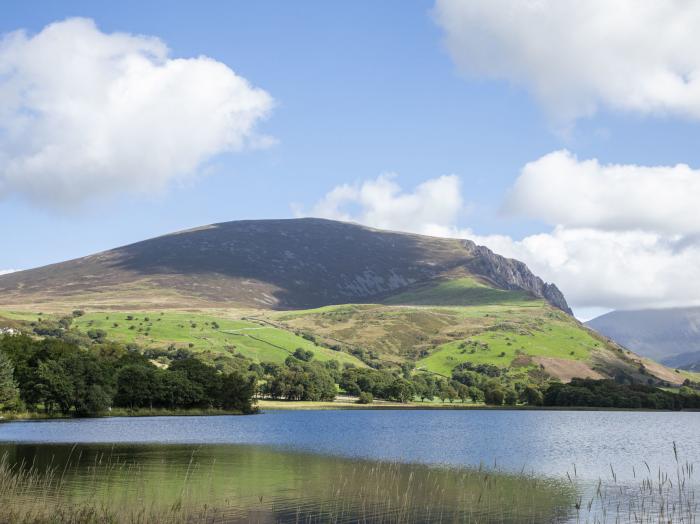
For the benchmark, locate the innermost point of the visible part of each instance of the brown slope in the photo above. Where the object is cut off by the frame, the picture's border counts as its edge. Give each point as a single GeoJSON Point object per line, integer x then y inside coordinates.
{"type": "Point", "coordinates": [276, 264]}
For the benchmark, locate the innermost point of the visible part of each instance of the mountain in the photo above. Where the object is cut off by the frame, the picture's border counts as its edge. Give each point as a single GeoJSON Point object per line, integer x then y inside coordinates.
{"type": "Point", "coordinates": [670, 336]}
{"type": "Point", "coordinates": [346, 292]}
{"type": "Point", "coordinates": [274, 264]}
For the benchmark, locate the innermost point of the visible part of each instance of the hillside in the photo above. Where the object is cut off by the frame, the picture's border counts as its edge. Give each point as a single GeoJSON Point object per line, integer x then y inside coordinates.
{"type": "Point", "coordinates": [670, 336]}
{"type": "Point", "coordinates": [263, 289]}
{"type": "Point", "coordinates": [274, 264]}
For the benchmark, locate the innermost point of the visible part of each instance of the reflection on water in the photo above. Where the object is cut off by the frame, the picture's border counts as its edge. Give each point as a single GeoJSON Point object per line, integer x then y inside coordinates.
{"type": "Point", "coordinates": [244, 483]}
{"type": "Point", "coordinates": [370, 465]}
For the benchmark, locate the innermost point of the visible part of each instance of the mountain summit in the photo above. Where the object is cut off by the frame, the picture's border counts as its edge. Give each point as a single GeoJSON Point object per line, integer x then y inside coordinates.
{"type": "Point", "coordinates": [274, 264]}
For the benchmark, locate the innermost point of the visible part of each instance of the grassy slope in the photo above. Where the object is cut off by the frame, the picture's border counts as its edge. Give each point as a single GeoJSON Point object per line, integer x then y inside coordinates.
{"type": "Point", "coordinates": [442, 325]}
{"type": "Point", "coordinates": [553, 338]}
{"type": "Point", "coordinates": [465, 291]}
{"type": "Point", "coordinates": [425, 325]}
{"type": "Point", "coordinates": [258, 342]}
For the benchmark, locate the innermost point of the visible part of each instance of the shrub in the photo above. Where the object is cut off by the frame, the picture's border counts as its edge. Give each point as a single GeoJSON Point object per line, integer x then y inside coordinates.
{"type": "Point", "coordinates": [365, 398]}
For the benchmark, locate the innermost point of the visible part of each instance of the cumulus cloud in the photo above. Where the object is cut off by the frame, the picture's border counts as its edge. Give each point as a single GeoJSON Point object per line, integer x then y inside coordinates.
{"type": "Point", "coordinates": [83, 112]}
{"type": "Point", "coordinates": [610, 269]}
{"type": "Point", "coordinates": [7, 271]}
{"type": "Point", "coordinates": [559, 189]}
{"type": "Point", "coordinates": [578, 55]}
{"type": "Point", "coordinates": [598, 263]}
{"type": "Point", "coordinates": [431, 208]}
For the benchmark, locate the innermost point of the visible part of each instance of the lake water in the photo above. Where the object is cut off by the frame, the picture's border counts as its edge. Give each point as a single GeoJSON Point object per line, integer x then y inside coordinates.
{"type": "Point", "coordinates": [378, 465]}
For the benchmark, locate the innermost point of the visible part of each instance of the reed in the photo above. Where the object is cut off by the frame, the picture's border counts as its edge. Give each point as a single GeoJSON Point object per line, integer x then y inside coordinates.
{"type": "Point", "coordinates": [116, 491]}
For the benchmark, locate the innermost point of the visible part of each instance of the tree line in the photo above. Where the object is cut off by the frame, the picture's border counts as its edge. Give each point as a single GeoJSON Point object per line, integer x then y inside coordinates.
{"type": "Point", "coordinates": [55, 376]}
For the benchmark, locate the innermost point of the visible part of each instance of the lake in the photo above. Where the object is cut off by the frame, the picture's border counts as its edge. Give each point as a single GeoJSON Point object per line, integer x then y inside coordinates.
{"type": "Point", "coordinates": [377, 466]}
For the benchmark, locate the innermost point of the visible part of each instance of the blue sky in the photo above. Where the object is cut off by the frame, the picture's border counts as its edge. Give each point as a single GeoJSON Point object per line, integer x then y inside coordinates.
{"type": "Point", "coordinates": [360, 89]}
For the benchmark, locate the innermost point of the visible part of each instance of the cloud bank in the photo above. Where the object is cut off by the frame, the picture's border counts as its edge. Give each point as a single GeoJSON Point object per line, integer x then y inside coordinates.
{"type": "Point", "coordinates": [430, 209]}
{"type": "Point", "coordinates": [559, 189]}
{"type": "Point", "coordinates": [576, 56]}
{"type": "Point", "coordinates": [83, 112]}
{"type": "Point", "coordinates": [621, 237]}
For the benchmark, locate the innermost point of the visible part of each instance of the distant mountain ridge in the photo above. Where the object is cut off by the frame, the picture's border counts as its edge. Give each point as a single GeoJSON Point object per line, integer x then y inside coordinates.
{"type": "Point", "coordinates": [273, 264]}
{"type": "Point", "coordinates": [670, 336]}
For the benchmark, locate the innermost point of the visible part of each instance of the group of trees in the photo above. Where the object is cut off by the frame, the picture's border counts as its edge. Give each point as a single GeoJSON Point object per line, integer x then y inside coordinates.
{"type": "Point", "coordinates": [405, 386]}
{"type": "Point", "coordinates": [83, 375]}
{"type": "Point", "coordinates": [299, 379]}
{"type": "Point", "coordinates": [58, 376]}
{"type": "Point", "coordinates": [610, 394]}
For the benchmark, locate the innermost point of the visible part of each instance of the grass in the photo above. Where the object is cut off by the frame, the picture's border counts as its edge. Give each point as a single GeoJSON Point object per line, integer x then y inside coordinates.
{"type": "Point", "coordinates": [511, 334]}
{"type": "Point", "coordinates": [275, 486]}
{"type": "Point", "coordinates": [346, 403]}
{"type": "Point", "coordinates": [199, 331]}
{"type": "Point", "coordinates": [335, 490]}
{"type": "Point", "coordinates": [466, 291]}
{"type": "Point", "coordinates": [504, 346]}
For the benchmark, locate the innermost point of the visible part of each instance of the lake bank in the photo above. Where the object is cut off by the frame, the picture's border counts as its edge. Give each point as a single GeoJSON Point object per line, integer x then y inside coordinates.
{"type": "Point", "coordinates": [122, 412]}
{"type": "Point", "coordinates": [344, 404]}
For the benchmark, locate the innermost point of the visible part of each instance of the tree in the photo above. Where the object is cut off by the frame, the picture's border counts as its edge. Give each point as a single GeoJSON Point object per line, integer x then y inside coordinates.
{"type": "Point", "coordinates": [55, 386]}
{"type": "Point", "coordinates": [511, 397]}
{"type": "Point", "coordinates": [401, 390]}
{"type": "Point", "coordinates": [476, 394]}
{"type": "Point", "coordinates": [451, 393]}
{"type": "Point", "coordinates": [365, 398]}
{"type": "Point", "coordinates": [174, 390]}
{"type": "Point", "coordinates": [135, 386]}
{"type": "Point", "coordinates": [9, 393]}
{"type": "Point", "coordinates": [494, 394]}
{"type": "Point", "coordinates": [207, 377]}
{"type": "Point", "coordinates": [532, 396]}
{"type": "Point", "coordinates": [462, 392]}
{"type": "Point", "coordinates": [301, 354]}
{"type": "Point", "coordinates": [237, 392]}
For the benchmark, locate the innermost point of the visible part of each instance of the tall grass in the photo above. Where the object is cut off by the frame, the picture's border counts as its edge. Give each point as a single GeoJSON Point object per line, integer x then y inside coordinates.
{"type": "Point", "coordinates": [111, 490]}
{"type": "Point", "coordinates": [655, 496]}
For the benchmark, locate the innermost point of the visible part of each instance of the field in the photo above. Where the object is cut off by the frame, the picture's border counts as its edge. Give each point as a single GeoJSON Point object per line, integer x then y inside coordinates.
{"type": "Point", "coordinates": [197, 332]}
{"type": "Point", "coordinates": [465, 291]}
{"type": "Point", "coordinates": [522, 337]}
{"type": "Point", "coordinates": [515, 347]}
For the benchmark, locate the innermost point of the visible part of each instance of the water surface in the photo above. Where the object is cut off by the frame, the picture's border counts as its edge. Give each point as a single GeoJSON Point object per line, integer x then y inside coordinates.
{"type": "Point", "coordinates": [376, 466]}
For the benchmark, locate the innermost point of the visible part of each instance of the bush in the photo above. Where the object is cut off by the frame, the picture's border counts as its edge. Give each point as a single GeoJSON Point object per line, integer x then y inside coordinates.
{"type": "Point", "coordinates": [365, 398]}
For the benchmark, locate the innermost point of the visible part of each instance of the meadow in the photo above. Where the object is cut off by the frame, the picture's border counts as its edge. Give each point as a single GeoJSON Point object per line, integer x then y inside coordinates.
{"type": "Point", "coordinates": [205, 332]}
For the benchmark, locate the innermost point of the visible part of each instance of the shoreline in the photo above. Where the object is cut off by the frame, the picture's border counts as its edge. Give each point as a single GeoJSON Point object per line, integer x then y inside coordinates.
{"type": "Point", "coordinates": [298, 405]}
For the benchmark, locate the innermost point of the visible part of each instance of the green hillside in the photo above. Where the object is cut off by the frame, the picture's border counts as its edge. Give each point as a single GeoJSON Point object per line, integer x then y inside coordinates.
{"type": "Point", "coordinates": [521, 336]}
{"type": "Point", "coordinates": [465, 291]}
{"type": "Point", "coordinates": [196, 332]}
{"type": "Point", "coordinates": [524, 338]}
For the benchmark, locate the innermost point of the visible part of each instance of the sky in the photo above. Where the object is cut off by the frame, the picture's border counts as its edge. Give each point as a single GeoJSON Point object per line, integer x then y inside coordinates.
{"type": "Point", "coordinates": [562, 133]}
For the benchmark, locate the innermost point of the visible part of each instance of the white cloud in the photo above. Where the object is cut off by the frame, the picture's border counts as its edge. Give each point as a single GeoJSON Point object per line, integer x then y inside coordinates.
{"type": "Point", "coordinates": [597, 265]}
{"type": "Point", "coordinates": [561, 190]}
{"type": "Point", "coordinates": [83, 112]}
{"type": "Point", "coordinates": [610, 269]}
{"type": "Point", "coordinates": [578, 55]}
{"type": "Point", "coordinates": [7, 271]}
{"type": "Point", "coordinates": [430, 209]}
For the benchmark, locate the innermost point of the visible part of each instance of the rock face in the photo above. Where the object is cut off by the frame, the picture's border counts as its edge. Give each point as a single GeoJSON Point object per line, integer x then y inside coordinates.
{"type": "Point", "coordinates": [278, 264]}
{"type": "Point", "coordinates": [507, 273]}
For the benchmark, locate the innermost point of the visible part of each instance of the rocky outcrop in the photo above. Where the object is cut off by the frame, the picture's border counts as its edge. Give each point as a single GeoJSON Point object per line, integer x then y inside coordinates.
{"type": "Point", "coordinates": [507, 273]}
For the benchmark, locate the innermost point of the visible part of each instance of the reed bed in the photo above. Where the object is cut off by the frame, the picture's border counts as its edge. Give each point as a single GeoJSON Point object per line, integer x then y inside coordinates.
{"type": "Point", "coordinates": [110, 490]}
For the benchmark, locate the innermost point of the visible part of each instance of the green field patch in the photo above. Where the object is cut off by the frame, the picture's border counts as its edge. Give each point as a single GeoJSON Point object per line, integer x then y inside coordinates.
{"type": "Point", "coordinates": [464, 291]}
{"type": "Point", "coordinates": [502, 344]}
{"type": "Point", "coordinates": [201, 332]}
